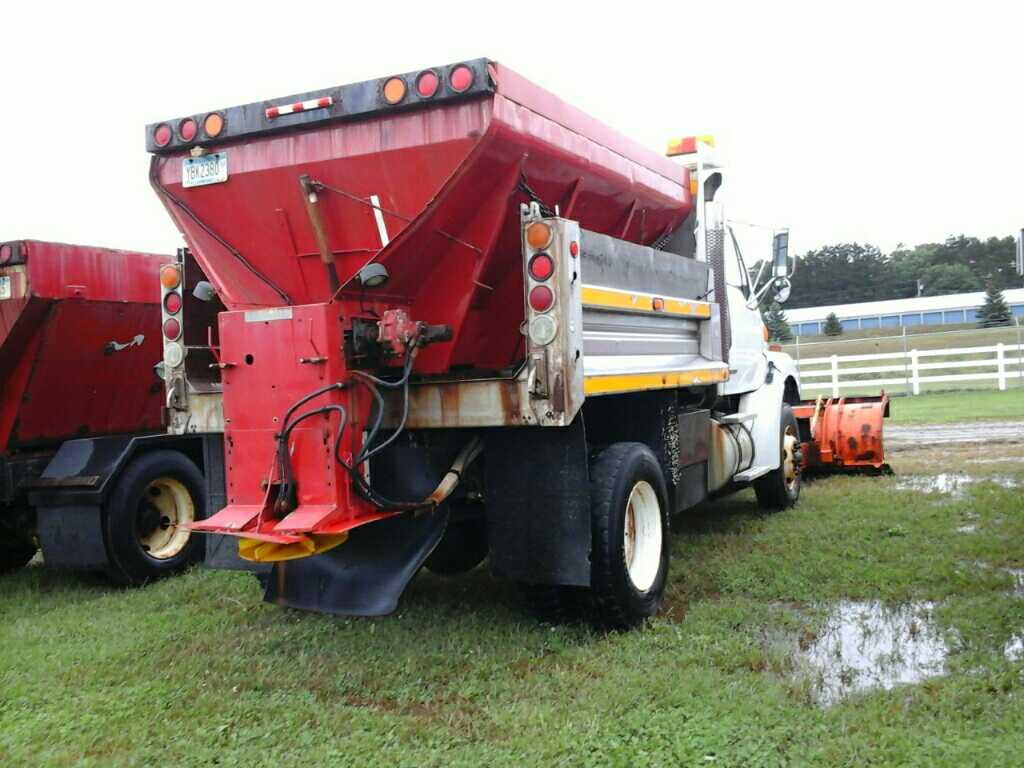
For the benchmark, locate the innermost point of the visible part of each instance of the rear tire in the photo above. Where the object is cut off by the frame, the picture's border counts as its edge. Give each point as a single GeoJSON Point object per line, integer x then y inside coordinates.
{"type": "Point", "coordinates": [630, 535]}
{"type": "Point", "coordinates": [462, 548]}
{"type": "Point", "coordinates": [780, 488]}
{"type": "Point", "coordinates": [144, 527]}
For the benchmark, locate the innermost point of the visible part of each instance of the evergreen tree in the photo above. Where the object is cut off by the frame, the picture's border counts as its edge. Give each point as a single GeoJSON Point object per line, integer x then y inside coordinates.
{"type": "Point", "coordinates": [995, 311]}
{"type": "Point", "coordinates": [832, 325]}
{"type": "Point", "coordinates": [777, 324]}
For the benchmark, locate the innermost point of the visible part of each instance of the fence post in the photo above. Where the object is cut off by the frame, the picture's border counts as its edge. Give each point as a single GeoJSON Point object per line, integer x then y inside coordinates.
{"type": "Point", "coordinates": [1001, 366]}
{"type": "Point", "coordinates": [835, 376]}
{"type": "Point", "coordinates": [915, 374]}
{"type": "Point", "coordinates": [906, 371]}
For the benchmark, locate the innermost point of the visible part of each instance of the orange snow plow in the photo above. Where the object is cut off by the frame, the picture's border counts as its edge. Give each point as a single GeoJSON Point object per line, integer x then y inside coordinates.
{"type": "Point", "coordinates": [843, 433]}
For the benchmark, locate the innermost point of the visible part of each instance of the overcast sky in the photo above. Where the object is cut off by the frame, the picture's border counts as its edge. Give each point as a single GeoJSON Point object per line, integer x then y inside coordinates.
{"type": "Point", "coordinates": [879, 122]}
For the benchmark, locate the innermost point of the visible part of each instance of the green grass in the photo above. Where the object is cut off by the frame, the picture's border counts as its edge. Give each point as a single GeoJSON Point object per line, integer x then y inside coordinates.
{"type": "Point", "coordinates": [873, 341]}
{"type": "Point", "coordinates": [948, 407]}
{"type": "Point", "coordinates": [197, 671]}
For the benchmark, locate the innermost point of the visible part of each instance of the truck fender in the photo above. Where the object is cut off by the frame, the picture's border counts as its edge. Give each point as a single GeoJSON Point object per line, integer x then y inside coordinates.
{"type": "Point", "coordinates": [781, 385]}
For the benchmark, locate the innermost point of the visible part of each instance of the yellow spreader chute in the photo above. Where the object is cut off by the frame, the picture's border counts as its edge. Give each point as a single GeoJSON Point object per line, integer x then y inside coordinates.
{"type": "Point", "coordinates": [258, 551]}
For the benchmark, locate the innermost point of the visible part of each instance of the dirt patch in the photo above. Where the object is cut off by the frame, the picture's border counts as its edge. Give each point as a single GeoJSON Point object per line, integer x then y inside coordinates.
{"type": "Point", "coordinates": [904, 438]}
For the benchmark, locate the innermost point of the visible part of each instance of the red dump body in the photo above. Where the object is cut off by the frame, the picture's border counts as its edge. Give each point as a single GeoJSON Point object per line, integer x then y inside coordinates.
{"type": "Point", "coordinates": [79, 335]}
{"type": "Point", "coordinates": [447, 174]}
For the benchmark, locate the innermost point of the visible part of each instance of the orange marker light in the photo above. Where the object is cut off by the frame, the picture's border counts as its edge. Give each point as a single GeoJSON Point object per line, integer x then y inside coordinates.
{"type": "Point", "coordinates": [213, 125]}
{"type": "Point", "coordinates": [170, 276]}
{"type": "Point", "coordinates": [657, 304]}
{"type": "Point", "coordinates": [394, 90]}
{"type": "Point", "coordinates": [538, 235]}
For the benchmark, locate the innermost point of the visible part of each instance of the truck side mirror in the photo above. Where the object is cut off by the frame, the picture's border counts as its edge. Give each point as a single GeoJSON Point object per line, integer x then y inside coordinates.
{"type": "Point", "coordinates": [780, 254]}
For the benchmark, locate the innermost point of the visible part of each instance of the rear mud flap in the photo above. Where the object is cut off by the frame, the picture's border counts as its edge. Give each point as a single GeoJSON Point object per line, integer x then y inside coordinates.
{"type": "Point", "coordinates": [366, 575]}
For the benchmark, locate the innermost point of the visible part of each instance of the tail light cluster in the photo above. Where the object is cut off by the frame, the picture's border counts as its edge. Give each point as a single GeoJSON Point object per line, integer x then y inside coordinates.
{"type": "Point", "coordinates": [416, 88]}
{"type": "Point", "coordinates": [172, 302]}
{"type": "Point", "coordinates": [553, 311]}
{"type": "Point", "coordinates": [540, 288]}
{"type": "Point", "coordinates": [189, 129]}
{"type": "Point", "coordinates": [427, 84]}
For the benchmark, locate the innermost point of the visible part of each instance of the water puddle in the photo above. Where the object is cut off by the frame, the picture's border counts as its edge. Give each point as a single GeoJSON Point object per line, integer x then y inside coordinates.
{"type": "Point", "coordinates": [867, 645]}
{"type": "Point", "coordinates": [952, 484]}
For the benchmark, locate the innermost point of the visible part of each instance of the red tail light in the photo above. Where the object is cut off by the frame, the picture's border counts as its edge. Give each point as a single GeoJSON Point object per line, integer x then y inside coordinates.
{"type": "Point", "coordinates": [461, 78]}
{"type": "Point", "coordinates": [172, 303]}
{"type": "Point", "coordinates": [541, 267]}
{"type": "Point", "coordinates": [188, 129]}
{"type": "Point", "coordinates": [541, 298]}
{"type": "Point", "coordinates": [162, 135]}
{"type": "Point", "coordinates": [172, 328]}
{"type": "Point", "coordinates": [426, 84]}
{"type": "Point", "coordinates": [6, 252]}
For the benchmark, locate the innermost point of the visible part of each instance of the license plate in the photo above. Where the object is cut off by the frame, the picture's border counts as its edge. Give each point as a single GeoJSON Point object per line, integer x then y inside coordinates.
{"type": "Point", "coordinates": [5, 287]}
{"type": "Point", "coordinates": [208, 169]}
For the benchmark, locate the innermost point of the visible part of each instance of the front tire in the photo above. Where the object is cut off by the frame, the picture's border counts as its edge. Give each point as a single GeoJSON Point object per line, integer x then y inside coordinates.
{"type": "Point", "coordinates": [780, 488]}
{"type": "Point", "coordinates": [630, 535]}
{"type": "Point", "coordinates": [146, 519]}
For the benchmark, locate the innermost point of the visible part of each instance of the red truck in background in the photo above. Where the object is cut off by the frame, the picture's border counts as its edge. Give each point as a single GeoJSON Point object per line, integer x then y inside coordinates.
{"type": "Point", "coordinates": [79, 337]}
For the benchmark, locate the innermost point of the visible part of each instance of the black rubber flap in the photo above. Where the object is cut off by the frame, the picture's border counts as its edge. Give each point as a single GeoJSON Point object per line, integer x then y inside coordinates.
{"type": "Point", "coordinates": [366, 575]}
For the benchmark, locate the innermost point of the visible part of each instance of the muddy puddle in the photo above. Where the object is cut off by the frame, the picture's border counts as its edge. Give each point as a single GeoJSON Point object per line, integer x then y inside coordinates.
{"type": "Point", "coordinates": [953, 484]}
{"type": "Point", "coordinates": [866, 646]}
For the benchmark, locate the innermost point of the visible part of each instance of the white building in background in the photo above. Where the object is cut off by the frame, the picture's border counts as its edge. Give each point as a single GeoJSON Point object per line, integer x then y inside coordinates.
{"type": "Point", "coordinates": [896, 313]}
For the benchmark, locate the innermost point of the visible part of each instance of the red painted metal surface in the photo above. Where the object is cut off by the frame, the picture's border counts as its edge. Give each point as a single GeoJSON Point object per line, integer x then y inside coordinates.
{"type": "Point", "coordinates": [846, 433]}
{"type": "Point", "coordinates": [446, 176]}
{"type": "Point", "coordinates": [449, 177]}
{"type": "Point", "coordinates": [78, 340]}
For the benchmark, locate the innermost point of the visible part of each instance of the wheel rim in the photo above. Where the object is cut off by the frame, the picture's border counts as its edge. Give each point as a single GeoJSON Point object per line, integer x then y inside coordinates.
{"type": "Point", "coordinates": [790, 459]}
{"type": "Point", "coordinates": [165, 510]}
{"type": "Point", "coordinates": [642, 536]}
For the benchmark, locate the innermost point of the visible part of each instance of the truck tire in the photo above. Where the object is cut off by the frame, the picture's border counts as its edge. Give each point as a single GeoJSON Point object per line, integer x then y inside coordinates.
{"type": "Point", "coordinates": [462, 548]}
{"type": "Point", "coordinates": [157, 493]}
{"type": "Point", "coordinates": [630, 544]}
{"type": "Point", "coordinates": [780, 488]}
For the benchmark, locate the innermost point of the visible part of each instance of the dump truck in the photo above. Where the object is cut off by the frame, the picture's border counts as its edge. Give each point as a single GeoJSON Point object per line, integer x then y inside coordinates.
{"type": "Point", "coordinates": [459, 319]}
{"type": "Point", "coordinates": [79, 338]}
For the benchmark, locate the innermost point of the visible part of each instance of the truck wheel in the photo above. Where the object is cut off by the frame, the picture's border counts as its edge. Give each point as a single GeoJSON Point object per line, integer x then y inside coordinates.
{"type": "Point", "coordinates": [780, 488]}
{"type": "Point", "coordinates": [462, 548]}
{"type": "Point", "coordinates": [157, 495]}
{"type": "Point", "coordinates": [630, 534]}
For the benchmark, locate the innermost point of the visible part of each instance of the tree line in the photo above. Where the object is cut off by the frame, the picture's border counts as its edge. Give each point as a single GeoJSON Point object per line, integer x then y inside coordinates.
{"type": "Point", "coordinates": [845, 273]}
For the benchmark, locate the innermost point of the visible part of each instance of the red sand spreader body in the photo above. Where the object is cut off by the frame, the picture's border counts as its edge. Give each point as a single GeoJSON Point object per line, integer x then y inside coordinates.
{"type": "Point", "coordinates": [464, 319]}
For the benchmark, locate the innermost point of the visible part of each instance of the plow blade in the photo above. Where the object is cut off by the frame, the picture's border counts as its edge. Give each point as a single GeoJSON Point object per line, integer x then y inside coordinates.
{"type": "Point", "coordinates": [367, 575]}
{"type": "Point", "coordinates": [843, 434]}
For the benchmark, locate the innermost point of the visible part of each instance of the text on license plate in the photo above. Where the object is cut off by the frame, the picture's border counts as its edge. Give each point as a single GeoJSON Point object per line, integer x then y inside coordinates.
{"type": "Point", "coordinates": [208, 169]}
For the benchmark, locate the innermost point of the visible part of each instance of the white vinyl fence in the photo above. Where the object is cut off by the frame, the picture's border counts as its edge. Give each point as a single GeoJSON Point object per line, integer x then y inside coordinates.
{"type": "Point", "coordinates": [910, 369]}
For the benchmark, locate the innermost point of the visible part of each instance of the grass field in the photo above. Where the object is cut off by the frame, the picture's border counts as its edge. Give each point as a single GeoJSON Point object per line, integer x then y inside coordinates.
{"type": "Point", "coordinates": [196, 671]}
{"type": "Point", "coordinates": [948, 407]}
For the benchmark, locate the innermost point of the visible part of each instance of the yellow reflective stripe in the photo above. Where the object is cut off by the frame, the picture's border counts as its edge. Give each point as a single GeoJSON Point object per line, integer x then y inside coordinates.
{"type": "Point", "coordinates": [611, 298]}
{"type": "Point", "coordinates": [632, 382]}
